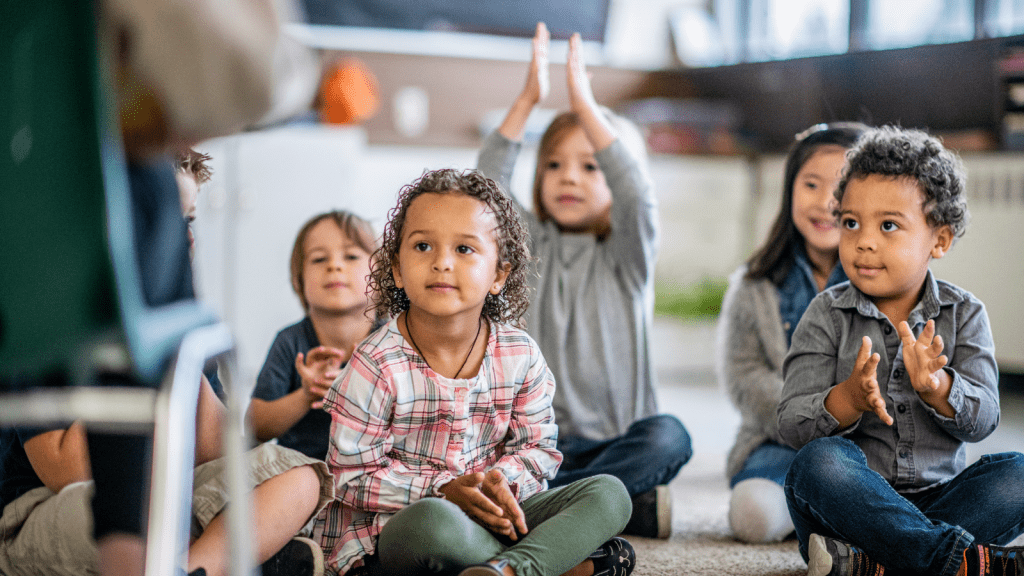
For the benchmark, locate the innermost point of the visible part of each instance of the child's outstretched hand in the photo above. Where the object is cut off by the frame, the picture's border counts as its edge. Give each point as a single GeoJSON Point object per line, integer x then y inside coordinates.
{"type": "Point", "coordinates": [581, 97]}
{"type": "Point", "coordinates": [466, 493]}
{"type": "Point", "coordinates": [862, 385]}
{"type": "Point", "coordinates": [318, 368]}
{"type": "Point", "coordinates": [495, 486]}
{"type": "Point", "coordinates": [538, 82]}
{"type": "Point", "coordinates": [922, 356]}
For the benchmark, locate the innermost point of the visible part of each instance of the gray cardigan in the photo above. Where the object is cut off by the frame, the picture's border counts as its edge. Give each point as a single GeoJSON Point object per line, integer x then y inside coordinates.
{"type": "Point", "coordinates": [751, 346]}
{"type": "Point", "coordinates": [593, 306]}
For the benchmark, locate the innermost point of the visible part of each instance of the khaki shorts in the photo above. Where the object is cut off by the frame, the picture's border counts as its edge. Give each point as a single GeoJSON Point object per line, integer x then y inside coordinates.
{"type": "Point", "coordinates": [51, 534]}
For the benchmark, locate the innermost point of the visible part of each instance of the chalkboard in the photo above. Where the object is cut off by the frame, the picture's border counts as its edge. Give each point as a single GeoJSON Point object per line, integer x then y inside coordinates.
{"type": "Point", "coordinates": [497, 17]}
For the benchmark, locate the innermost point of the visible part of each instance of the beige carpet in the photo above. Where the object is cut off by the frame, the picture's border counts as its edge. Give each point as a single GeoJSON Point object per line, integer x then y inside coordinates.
{"type": "Point", "coordinates": [701, 542]}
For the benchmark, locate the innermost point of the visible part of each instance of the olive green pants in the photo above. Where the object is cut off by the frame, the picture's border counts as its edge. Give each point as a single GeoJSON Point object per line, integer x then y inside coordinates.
{"type": "Point", "coordinates": [566, 524]}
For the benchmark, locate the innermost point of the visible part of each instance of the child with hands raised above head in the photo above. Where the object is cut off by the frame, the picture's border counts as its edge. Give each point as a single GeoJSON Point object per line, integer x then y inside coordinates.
{"type": "Point", "coordinates": [330, 264]}
{"type": "Point", "coordinates": [443, 435]}
{"type": "Point", "coordinates": [888, 376]}
{"type": "Point", "coordinates": [595, 231]}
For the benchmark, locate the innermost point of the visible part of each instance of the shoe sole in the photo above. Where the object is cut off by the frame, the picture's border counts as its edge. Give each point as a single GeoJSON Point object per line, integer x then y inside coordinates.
{"type": "Point", "coordinates": [479, 571]}
{"type": "Point", "coordinates": [318, 555]}
{"type": "Point", "coordinates": [819, 561]}
{"type": "Point", "coordinates": [664, 507]}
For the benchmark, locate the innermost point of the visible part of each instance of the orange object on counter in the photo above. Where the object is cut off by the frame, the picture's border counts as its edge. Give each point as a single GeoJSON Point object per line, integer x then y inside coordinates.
{"type": "Point", "coordinates": [348, 93]}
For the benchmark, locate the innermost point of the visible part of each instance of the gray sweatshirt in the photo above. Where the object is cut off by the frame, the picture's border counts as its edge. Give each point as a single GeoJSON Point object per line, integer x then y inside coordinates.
{"type": "Point", "coordinates": [593, 302]}
{"type": "Point", "coordinates": [751, 346]}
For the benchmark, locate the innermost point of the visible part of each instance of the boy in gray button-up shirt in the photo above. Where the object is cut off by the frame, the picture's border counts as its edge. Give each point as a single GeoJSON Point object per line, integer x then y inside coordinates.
{"type": "Point", "coordinates": [888, 376]}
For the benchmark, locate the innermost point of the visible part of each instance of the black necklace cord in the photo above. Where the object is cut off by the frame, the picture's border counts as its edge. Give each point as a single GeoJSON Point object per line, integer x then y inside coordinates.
{"type": "Point", "coordinates": [412, 340]}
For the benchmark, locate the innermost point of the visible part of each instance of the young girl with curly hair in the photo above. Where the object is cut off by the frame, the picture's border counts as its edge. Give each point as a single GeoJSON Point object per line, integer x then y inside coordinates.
{"type": "Point", "coordinates": [443, 435]}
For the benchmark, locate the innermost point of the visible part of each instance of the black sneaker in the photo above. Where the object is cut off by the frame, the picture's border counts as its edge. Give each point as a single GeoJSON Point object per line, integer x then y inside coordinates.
{"type": "Point", "coordinates": [299, 557]}
{"type": "Point", "coordinates": [652, 514]}
{"type": "Point", "coordinates": [614, 558]}
{"type": "Point", "coordinates": [830, 557]}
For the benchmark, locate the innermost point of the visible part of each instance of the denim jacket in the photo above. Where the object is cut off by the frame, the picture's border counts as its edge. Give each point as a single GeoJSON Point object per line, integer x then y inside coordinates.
{"type": "Point", "coordinates": [799, 288]}
{"type": "Point", "coordinates": [922, 448]}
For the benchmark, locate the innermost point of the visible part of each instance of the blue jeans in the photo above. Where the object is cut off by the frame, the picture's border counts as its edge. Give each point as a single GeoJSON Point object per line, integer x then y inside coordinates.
{"type": "Point", "coordinates": [769, 460]}
{"type": "Point", "coordinates": [831, 491]}
{"type": "Point", "coordinates": [650, 453]}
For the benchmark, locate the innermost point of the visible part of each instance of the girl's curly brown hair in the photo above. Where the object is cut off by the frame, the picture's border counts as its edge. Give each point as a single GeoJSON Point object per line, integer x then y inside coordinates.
{"type": "Point", "coordinates": [511, 236]}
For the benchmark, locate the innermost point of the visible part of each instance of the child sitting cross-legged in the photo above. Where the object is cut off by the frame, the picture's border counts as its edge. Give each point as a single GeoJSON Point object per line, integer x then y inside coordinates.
{"type": "Point", "coordinates": [886, 379]}
{"type": "Point", "coordinates": [443, 434]}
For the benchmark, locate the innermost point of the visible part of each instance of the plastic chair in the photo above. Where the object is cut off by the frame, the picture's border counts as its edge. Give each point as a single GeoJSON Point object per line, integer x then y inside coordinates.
{"type": "Point", "coordinates": [71, 300]}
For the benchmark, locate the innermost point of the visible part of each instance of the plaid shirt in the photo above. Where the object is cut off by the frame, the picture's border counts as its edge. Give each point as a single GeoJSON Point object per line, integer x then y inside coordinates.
{"type": "Point", "coordinates": [399, 431]}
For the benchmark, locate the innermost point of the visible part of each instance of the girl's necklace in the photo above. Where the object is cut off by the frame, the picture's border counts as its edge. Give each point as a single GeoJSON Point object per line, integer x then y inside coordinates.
{"type": "Point", "coordinates": [420, 352]}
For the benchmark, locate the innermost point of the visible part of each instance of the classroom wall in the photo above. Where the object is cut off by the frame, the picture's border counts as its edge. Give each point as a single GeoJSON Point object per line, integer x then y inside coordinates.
{"type": "Point", "coordinates": [713, 209]}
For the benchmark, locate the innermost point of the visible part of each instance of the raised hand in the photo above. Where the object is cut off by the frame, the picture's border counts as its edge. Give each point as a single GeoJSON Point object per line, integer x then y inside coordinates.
{"type": "Point", "coordinates": [922, 356]}
{"type": "Point", "coordinates": [318, 368]}
{"type": "Point", "coordinates": [538, 82]}
{"type": "Point", "coordinates": [465, 492]}
{"type": "Point", "coordinates": [581, 97]}
{"type": "Point", "coordinates": [495, 486]}
{"type": "Point", "coordinates": [862, 386]}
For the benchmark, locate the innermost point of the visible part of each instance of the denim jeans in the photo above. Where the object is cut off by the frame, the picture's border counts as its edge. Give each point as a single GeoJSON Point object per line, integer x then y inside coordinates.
{"type": "Point", "coordinates": [769, 460]}
{"type": "Point", "coordinates": [831, 491]}
{"type": "Point", "coordinates": [650, 453]}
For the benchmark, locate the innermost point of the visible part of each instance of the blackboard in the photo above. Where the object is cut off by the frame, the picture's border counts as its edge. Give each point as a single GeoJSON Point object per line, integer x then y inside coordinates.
{"type": "Point", "coordinates": [497, 17]}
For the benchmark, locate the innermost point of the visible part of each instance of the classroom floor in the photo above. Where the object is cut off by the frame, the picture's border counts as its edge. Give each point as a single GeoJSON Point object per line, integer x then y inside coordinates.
{"type": "Point", "coordinates": [701, 542]}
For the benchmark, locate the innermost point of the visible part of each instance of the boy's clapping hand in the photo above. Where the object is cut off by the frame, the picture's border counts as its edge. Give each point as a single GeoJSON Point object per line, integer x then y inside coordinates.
{"type": "Point", "coordinates": [860, 392]}
{"type": "Point", "coordinates": [318, 368]}
{"type": "Point", "coordinates": [924, 362]}
{"type": "Point", "coordinates": [922, 356]}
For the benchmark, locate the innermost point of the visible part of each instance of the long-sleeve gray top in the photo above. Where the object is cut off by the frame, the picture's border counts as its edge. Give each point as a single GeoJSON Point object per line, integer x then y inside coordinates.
{"type": "Point", "coordinates": [922, 448]}
{"type": "Point", "coordinates": [750, 348]}
{"type": "Point", "coordinates": [593, 304]}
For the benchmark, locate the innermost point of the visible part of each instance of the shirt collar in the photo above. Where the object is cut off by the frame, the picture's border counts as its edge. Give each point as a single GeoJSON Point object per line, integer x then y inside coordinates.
{"type": "Point", "coordinates": [926, 308]}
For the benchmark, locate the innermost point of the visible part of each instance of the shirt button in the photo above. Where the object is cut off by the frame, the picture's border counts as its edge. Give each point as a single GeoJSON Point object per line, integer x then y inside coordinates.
{"type": "Point", "coordinates": [897, 373]}
{"type": "Point", "coordinates": [903, 453]}
{"type": "Point", "coordinates": [901, 408]}
{"type": "Point", "coordinates": [888, 330]}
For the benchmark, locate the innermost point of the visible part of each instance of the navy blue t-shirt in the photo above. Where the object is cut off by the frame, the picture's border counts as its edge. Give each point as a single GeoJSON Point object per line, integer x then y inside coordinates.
{"type": "Point", "coordinates": [279, 378]}
{"type": "Point", "coordinates": [16, 474]}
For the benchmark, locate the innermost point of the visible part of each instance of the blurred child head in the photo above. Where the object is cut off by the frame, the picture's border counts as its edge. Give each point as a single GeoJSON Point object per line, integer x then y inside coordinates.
{"type": "Point", "coordinates": [192, 172]}
{"type": "Point", "coordinates": [330, 262]}
{"type": "Point", "coordinates": [569, 186]}
{"type": "Point", "coordinates": [812, 173]}
{"type": "Point", "coordinates": [901, 203]}
{"type": "Point", "coordinates": [510, 236]}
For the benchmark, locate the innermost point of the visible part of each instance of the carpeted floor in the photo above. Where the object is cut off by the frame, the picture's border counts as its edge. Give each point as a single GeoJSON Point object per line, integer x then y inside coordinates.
{"type": "Point", "coordinates": [700, 542]}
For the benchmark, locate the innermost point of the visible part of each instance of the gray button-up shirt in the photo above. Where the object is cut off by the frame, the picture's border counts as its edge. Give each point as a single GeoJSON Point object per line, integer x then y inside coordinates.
{"type": "Point", "coordinates": [922, 448]}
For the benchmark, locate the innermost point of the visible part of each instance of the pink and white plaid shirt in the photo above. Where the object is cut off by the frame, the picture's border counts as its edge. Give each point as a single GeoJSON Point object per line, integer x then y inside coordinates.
{"type": "Point", "coordinates": [399, 431]}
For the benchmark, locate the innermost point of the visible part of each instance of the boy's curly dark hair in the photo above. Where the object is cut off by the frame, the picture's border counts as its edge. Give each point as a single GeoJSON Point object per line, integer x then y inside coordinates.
{"type": "Point", "coordinates": [904, 153]}
{"type": "Point", "coordinates": [511, 236]}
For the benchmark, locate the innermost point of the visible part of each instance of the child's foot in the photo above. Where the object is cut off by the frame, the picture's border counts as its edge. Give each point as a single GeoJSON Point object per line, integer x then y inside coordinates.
{"type": "Point", "coordinates": [299, 557]}
{"type": "Point", "coordinates": [493, 568]}
{"type": "Point", "coordinates": [652, 514]}
{"type": "Point", "coordinates": [831, 557]}
{"type": "Point", "coordinates": [614, 558]}
{"type": "Point", "coordinates": [988, 560]}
